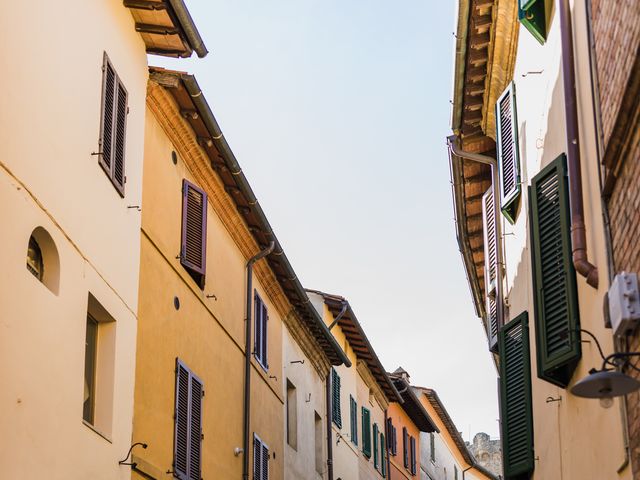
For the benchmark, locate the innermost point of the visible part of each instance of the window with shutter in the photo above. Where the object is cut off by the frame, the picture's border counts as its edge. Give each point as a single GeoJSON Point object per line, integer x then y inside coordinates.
{"type": "Point", "coordinates": [412, 443]}
{"type": "Point", "coordinates": [261, 320]}
{"type": "Point", "coordinates": [366, 432]}
{"type": "Point", "coordinates": [383, 456]}
{"type": "Point", "coordinates": [193, 245]}
{"type": "Point", "coordinates": [188, 424]}
{"type": "Point", "coordinates": [533, 14]}
{"type": "Point", "coordinates": [405, 447]}
{"type": "Point", "coordinates": [375, 446]}
{"type": "Point", "coordinates": [515, 398]}
{"type": "Point", "coordinates": [113, 124]}
{"type": "Point", "coordinates": [554, 278]}
{"type": "Point", "coordinates": [490, 267]}
{"type": "Point", "coordinates": [260, 459]}
{"type": "Point", "coordinates": [335, 401]}
{"type": "Point", "coordinates": [391, 437]}
{"type": "Point", "coordinates": [508, 152]}
{"type": "Point", "coordinates": [354, 419]}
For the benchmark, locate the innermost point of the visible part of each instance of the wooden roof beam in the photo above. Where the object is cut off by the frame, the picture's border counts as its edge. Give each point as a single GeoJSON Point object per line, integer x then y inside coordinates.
{"type": "Point", "coordinates": [144, 5]}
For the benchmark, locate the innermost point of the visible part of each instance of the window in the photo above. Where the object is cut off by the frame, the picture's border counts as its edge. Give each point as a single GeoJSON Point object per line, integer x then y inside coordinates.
{"type": "Point", "coordinates": [261, 329]}
{"type": "Point", "coordinates": [353, 414]}
{"type": "Point", "coordinates": [533, 15]}
{"type": "Point", "coordinates": [508, 152]}
{"type": "Point", "coordinates": [42, 259]}
{"type": "Point", "coordinates": [188, 423]}
{"type": "Point", "coordinates": [375, 446]}
{"type": "Point", "coordinates": [260, 459]}
{"type": "Point", "coordinates": [383, 456]}
{"type": "Point", "coordinates": [392, 439]}
{"type": "Point", "coordinates": [405, 447]}
{"type": "Point", "coordinates": [432, 445]}
{"type": "Point", "coordinates": [554, 278]}
{"type": "Point", "coordinates": [318, 443]}
{"type": "Point", "coordinates": [292, 415]}
{"type": "Point", "coordinates": [515, 398]}
{"type": "Point", "coordinates": [366, 432]}
{"type": "Point", "coordinates": [335, 398]}
{"type": "Point", "coordinates": [490, 266]}
{"type": "Point", "coordinates": [412, 444]}
{"type": "Point", "coordinates": [193, 243]}
{"type": "Point", "coordinates": [99, 359]}
{"type": "Point", "coordinates": [113, 122]}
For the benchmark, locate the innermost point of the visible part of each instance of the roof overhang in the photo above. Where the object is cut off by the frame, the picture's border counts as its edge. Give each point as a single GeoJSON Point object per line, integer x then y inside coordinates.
{"type": "Point", "coordinates": [359, 342]}
{"type": "Point", "coordinates": [485, 48]}
{"type": "Point", "coordinates": [413, 407]}
{"type": "Point", "coordinates": [194, 108]}
{"type": "Point", "coordinates": [166, 27]}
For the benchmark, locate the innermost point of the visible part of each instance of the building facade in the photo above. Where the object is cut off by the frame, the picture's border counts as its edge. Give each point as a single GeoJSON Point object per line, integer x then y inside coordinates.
{"type": "Point", "coordinates": [71, 153]}
{"type": "Point", "coordinates": [213, 372]}
{"type": "Point", "coordinates": [529, 219]}
{"type": "Point", "coordinates": [487, 452]}
{"type": "Point", "coordinates": [615, 34]}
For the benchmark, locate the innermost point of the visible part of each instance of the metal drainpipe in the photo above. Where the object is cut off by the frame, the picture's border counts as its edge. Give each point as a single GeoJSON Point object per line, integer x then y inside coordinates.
{"type": "Point", "coordinates": [465, 470]}
{"type": "Point", "coordinates": [329, 421]}
{"type": "Point", "coordinates": [452, 141]}
{"type": "Point", "coordinates": [345, 305]}
{"type": "Point", "coordinates": [578, 234]}
{"type": "Point", "coordinates": [247, 360]}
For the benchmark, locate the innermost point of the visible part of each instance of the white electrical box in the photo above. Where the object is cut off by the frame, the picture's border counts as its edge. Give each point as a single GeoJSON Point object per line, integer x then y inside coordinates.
{"type": "Point", "coordinates": [624, 303]}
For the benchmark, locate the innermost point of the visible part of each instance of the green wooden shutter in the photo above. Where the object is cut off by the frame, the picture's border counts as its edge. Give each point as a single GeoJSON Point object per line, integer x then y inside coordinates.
{"type": "Point", "coordinates": [335, 388]}
{"type": "Point", "coordinates": [533, 15]}
{"type": "Point", "coordinates": [353, 413]}
{"type": "Point", "coordinates": [508, 152]}
{"type": "Point", "coordinates": [366, 432]}
{"type": "Point", "coordinates": [515, 398]}
{"type": "Point", "coordinates": [383, 458]}
{"type": "Point", "coordinates": [554, 277]}
{"type": "Point", "coordinates": [490, 267]}
{"type": "Point", "coordinates": [375, 446]}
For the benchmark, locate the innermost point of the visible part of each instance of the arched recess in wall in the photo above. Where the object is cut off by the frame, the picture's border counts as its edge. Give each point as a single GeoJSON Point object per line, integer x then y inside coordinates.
{"type": "Point", "coordinates": [43, 261]}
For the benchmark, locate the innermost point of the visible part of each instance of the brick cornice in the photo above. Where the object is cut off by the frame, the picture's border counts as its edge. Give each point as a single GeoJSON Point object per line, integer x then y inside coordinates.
{"type": "Point", "coordinates": [167, 113]}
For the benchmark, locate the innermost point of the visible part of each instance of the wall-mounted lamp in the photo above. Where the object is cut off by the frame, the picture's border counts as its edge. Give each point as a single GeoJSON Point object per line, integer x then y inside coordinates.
{"type": "Point", "coordinates": [607, 383]}
{"type": "Point", "coordinates": [124, 460]}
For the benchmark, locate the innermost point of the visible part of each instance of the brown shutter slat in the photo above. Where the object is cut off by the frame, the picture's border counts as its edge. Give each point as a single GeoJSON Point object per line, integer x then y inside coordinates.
{"type": "Point", "coordinates": [108, 106]}
{"type": "Point", "coordinates": [181, 447]}
{"type": "Point", "coordinates": [195, 429]}
{"type": "Point", "coordinates": [265, 463]}
{"type": "Point", "coordinates": [120, 126]}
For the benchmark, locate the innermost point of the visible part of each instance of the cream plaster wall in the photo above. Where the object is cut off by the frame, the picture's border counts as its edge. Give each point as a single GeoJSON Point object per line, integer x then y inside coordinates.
{"type": "Point", "coordinates": [565, 444]}
{"type": "Point", "coordinates": [51, 58]}
{"type": "Point", "coordinates": [365, 465]}
{"type": "Point", "coordinates": [206, 333]}
{"type": "Point", "coordinates": [311, 397]}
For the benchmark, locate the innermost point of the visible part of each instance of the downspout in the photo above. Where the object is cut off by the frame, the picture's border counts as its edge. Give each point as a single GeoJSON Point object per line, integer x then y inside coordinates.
{"type": "Point", "coordinates": [578, 234]}
{"type": "Point", "coordinates": [345, 305]}
{"type": "Point", "coordinates": [452, 141]}
{"type": "Point", "coordinates": [247, 360]}
{"type": "Point", "coordinates": [329, 421]}
{"type": "Point", "coordinates": [465, 470]}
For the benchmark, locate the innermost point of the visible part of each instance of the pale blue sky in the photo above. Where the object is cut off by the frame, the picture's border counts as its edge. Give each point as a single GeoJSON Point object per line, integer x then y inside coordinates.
{"type": "Point", "coordinates": [338, 110]}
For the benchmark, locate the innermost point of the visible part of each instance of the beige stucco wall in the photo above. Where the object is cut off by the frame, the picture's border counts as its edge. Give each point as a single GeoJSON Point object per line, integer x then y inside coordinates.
{"type": "Point", "coordinates": [206, 333]}
{"type": "Point", "coordinates": [300, 462]}
{"type": "Point", "coordinates": [365, 465]}
{"type": "Point", "coordinates": [51, 58]}
{"type": "Point", "coordinates": [565, 443]}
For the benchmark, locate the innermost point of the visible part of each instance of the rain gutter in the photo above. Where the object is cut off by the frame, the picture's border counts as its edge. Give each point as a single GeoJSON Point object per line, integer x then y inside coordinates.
{"type": "Point", "coordinates": [189, 27]}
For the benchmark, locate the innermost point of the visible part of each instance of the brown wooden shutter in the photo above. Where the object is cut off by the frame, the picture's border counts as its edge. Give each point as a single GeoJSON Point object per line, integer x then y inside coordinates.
{"type": "Point", "coordinates": [257, 458]}
{"type": "Point", "coordinates": [405, 450]}
{"type": "Point", "coordinates": [188, 424]}
{"type": "Point", "coordinates": [195, 428]}
{"type": "Point", "coordinates": [490, 266]}
{"type": "Point", "coordinates": [113, 123]}
{"type": "Point", "coordinates": [194, 231]}
{"type": "Point", "coordinates": [265, 462]}
{"type": "Point", "coordinates": [413, 455]}
{"type": "Point", "coordinates": [508, 152]}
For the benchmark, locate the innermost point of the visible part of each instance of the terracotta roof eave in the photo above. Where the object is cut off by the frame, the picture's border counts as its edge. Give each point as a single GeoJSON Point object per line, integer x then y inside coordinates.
{"type": "Point", "coordinates": [460, 62]}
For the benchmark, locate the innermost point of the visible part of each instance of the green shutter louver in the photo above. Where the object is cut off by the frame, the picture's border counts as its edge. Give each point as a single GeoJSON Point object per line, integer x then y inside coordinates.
{"type": "Point", "coordinates": [490, 267]}
{"type": "Point", "coordinates": [366, 432]}
{"type": "Point", "coordinates": [335, 400]}
{"type": "Point", "coordinates": [533, 15]}
{"type": "Point", "coordinates": [554, 278]}
{"type": "Point", "coordinates": [508, 152]}
{"type": "Point", "coordinates": [383, 456]}
{"type": "Point", "coordinates": [515, 398]}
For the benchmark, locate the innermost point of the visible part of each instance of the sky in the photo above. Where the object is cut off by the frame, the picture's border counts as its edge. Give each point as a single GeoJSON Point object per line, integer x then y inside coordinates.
{"type": "Point", "coordinates": [337, 111]}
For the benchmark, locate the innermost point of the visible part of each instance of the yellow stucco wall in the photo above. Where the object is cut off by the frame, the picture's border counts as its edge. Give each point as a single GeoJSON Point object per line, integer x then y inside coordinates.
{"type": "Point", "coordinates": [206, 333]}
{"type": "Point", "coordinates": [573, 438]}
{"type": "Point", "coordinates": [51, 58]}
